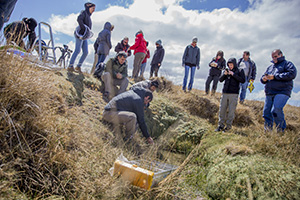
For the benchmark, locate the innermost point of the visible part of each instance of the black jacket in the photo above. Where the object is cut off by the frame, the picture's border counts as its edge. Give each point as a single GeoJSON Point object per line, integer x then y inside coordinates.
{"type": "Point", "coordinates": [232, 83]}
{"type": "Point", "coordinates": [84, 18]}
{"type": "Point", "coordinates": [131, 101]}
{"type": "Point", "coordinates": [158, 55]}
{"type": "Point", "coordinates": [16, 31]}
{"type": "Point", "coordinates": [216, 71]}
{"type": "Point", "coordinates": [121, 47]}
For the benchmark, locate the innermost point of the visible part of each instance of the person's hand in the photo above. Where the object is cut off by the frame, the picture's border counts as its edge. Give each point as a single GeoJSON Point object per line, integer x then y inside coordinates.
{"type": "Point", "coordinates": [265, 78]}
{"type": "Point", "coordinates": [270, 77]}
{"type": "Point", "coordinates": [198, 67]}
{"type": "Point", "coordinates": [251, 80]}
{"type": "Point", "coordinates": [158, 64]}
{"type": "Point", "coordinates": [230, 73]}
{"type": "Point", "coordinates": [119, 75]}
{"type": "Point", "coordinates": [226, 72]}
{"type": "Point", "coordinates": [150, 140]}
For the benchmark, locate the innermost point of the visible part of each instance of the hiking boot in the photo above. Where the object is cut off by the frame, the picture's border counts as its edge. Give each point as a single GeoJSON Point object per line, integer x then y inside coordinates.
{"type": "Point", "coordinates": [242, 102]}
{"type": "Point", "coordinates": [78, 69]}
{"type": "Point", "coordinates": [71, 69]}
{"type": "Point", "coordinates": [220, 128]}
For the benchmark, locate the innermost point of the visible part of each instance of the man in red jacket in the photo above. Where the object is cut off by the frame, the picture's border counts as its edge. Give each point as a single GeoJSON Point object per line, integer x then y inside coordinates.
{"type": "Point", "coordinates": [140, 51]}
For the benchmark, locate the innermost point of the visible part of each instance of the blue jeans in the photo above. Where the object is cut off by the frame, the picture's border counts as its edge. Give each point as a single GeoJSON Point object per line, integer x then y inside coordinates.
{"type": "Point", "coordinates": [273, 111]}
{"type": "Point", "coordinates": [244, 89]}
{"type": "Point", "coordinates": [79, 44]}
{"type": "Point", "coordinates": [143, 67]}
{"type": "Point", "coordinates": [186, 74]}
{"type": "Point", "coordinates": [101, 58]}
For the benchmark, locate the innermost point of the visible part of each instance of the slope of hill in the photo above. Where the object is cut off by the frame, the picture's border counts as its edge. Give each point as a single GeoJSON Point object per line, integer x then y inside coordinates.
{"type": "Point", "coordinates": [55, 145]}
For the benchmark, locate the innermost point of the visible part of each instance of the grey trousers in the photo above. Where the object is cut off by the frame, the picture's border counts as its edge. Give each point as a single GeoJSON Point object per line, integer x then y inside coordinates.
{"type": "Point", "coordinates": [227, 108]}
{"type": "Point", "coordinates": [122, 118]}
{"type": "Point", "coordinates": [111, 83]}
{"type": "Point", "coordinates": [138, 59]}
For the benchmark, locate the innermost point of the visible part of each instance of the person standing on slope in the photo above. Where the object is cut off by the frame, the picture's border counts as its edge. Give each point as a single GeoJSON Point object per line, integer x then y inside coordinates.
{"type": "Point", "coordinates": [82, 33]}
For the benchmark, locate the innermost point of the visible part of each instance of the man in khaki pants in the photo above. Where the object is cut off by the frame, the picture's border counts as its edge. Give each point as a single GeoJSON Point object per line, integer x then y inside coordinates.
{"type": "Point", "coordinates": [127, 108]}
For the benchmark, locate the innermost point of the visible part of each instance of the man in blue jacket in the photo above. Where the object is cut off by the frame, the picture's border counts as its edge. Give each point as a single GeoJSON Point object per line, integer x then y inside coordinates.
{"type": "Point", "coordinates": [190, 60]}
{"type": "Point", "coordinates": [127, 109]}
{"type": "Point", "coordinates": [249, 68]}
{"type": "Point", "coordinates": [278, 80]}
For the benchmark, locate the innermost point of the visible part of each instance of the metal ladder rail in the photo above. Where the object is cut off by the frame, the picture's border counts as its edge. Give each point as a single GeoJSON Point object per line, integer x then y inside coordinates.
{"type": "Point", "coordinates": [50, 42]}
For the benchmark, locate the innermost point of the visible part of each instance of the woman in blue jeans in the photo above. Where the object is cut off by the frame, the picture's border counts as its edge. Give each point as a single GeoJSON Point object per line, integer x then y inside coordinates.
{"type": "Point", "coordinates": [82, 33]}
{"type": "Point", "coordinates": [190, 60]}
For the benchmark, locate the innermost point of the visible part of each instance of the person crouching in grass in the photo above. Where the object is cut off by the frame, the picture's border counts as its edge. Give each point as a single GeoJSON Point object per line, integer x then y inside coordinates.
{"type": "Point", "coordinates": [232, 77]}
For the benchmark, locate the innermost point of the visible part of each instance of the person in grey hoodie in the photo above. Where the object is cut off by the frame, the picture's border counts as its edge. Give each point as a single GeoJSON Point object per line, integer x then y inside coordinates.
{"type": "Point", "coordinates": [104, 42]}
{"type": "Point", "coordinates": [157, 58]}
{"type": "Point", "coordinates": [190, 60]}
{"type": "Point", "coordinates": [127, 109]}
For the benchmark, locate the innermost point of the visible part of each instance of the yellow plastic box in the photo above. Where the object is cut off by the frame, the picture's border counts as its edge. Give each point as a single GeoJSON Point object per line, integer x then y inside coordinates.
{"type": "Point", "coordinates": [135, 175]}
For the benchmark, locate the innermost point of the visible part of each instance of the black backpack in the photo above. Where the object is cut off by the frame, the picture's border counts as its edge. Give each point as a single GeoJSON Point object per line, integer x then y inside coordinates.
{"type": "Point", "coordinates": [99, 70]}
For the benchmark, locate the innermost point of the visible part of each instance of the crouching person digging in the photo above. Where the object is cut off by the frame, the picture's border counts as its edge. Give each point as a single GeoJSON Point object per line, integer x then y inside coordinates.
{"type": "Point", "coordinates": [127, 109]}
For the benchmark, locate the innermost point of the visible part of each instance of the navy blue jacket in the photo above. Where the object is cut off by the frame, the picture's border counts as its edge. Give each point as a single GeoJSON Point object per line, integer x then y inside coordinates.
{"type": "Point", "coordinates": [191, 56]}
{"type": "Point", "coordinates": [84, 18]}
{"type": "Point", "coordinates": [158, 55]}
{"type": "Point", "coordinates": [216, 71]}
{"type": "Point", "coordinates": [284, 72]}
{"type": "Point", "coordinates": [132, 101]}
{"type": "Point", "coordinates": [232, 83]}
{"type": "Point", "coordinates": [252, 68]}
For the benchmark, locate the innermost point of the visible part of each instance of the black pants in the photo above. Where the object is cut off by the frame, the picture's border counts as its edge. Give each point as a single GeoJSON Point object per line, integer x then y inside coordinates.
{"type": "Point", "coordinates": [154, 68]}
{"type": "Point", "coordinates": [215, 80]}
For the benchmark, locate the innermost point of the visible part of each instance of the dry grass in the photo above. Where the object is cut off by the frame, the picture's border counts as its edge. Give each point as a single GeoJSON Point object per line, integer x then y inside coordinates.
{"type": "Point", "coordinates": [55, 145]}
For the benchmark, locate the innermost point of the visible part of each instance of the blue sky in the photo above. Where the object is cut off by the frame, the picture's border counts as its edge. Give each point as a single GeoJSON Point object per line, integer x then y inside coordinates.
{"type": "Point", "coordinates": [230, 25]}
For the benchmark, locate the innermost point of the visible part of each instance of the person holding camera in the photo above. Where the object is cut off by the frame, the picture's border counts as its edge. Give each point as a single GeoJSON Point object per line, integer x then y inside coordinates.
{"type": "Point", "coordinates": [216, 65]}
{"type": "Point", "coordinates": [278, 80]}
{"type": "Point", "coordinates": [230, 94]}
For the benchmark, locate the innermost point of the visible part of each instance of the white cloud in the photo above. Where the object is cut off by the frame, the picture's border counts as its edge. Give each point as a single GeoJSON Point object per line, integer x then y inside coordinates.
{"type": "Point", "coordinates": [266, 25]}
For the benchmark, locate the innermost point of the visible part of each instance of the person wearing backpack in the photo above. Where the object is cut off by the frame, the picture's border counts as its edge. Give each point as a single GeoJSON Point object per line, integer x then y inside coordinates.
{"type": "Point", "coordinates": [190, 60]}
{"type": "Point", "coordinates": [115, 75]}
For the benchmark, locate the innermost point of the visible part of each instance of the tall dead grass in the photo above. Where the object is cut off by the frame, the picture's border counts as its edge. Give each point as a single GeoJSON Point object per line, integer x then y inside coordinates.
{"type": "Point", "coordinates": [31, 155]}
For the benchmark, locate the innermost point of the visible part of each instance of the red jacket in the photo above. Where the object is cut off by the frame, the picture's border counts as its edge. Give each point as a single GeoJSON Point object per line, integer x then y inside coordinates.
{"type": "Point", "coordinates": [140, 44]}
{"type": "Point", "coordinates": [147, 56]}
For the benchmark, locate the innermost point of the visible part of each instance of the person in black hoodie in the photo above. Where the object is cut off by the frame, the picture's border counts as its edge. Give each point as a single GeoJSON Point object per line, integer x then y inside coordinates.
{"type": "Point", "coordinates": [157, 58]}
{"type": "Point", "coordinates": [232, 77]}
{"type": "Point", "coordinates": [82, 33]}
{"type": "Point", "coordinates": [216, 65]}
{"type": "Point", "coordinates": [17, 31]}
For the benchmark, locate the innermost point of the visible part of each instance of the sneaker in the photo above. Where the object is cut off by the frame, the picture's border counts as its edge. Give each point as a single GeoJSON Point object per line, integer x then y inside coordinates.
{"type": "Point", "coordinates": [184, 90]}
{"type": "Point", "coordinates": [78, 69]}
{"type": "Point", "coordinates": [71, 69]}
{"type": "Point", "coordinates": [219, 129]}
{"type": "Point", "coordinates": [242, 102]}
{"type": "Point", "coordinates": [226, 129]}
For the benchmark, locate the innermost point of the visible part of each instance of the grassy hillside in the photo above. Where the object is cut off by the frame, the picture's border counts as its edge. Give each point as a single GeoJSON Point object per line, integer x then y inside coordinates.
{"type": "Point", "coordinates": [55, 145]}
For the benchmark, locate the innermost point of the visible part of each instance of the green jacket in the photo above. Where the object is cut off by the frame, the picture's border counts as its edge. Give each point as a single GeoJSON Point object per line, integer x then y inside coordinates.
{"type": "Point", "coordinates": [113, 67]}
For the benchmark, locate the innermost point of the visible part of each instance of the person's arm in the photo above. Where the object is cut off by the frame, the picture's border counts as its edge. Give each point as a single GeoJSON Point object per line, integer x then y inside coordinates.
{"type": "Point", "coordinates": [108, 40]}
{"type": "Point", "coordinates": [80, 20]}
{"type": "Point", "coordinates": [118, 48]}
{"type": "Point", "coordinates": [125, 71]}
{"type": "Point", "coordinates": [136, 44]}
{"type": "Point", "coordinates": [31, 39]}
{"type": "Point", "coordinates": [239, 76]}
{"type": "Point", "coordinates": [161, 56]}
{"type": "Point", "coordinates": [253, 74]}
{"type": "Point", "coordinates": [198, 58]}
{"type": "Point", "coordinates": [184, 55]}
{"type": "Point", "coordinates": [289, 73]}
{"type": "Point", "coordinates": [139, 111]}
